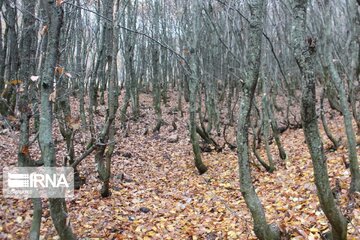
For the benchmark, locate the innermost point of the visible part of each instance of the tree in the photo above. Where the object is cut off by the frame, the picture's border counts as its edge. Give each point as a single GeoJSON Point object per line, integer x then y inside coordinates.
{"type": "Point", "coordinates": [305, 58]}
{"type": "Point", "coordinates": [26, 72]}
{"type": "Point", "coordinates": [129, 46]}
{"type": "Point", "coordinates": [11, 55]}
{"type": "Point", "coordinates": [57, 205]}
{"type": "Point", "coordinates": [335, 78]}
{"type": "Point", "coordinates": [194, 89]}
{"type": "Point", "coordinates": [155, 53]}
{"type": "Point", "coordinates": [107, 133]}
{"type": "Point", "coordinates": [261, 228]}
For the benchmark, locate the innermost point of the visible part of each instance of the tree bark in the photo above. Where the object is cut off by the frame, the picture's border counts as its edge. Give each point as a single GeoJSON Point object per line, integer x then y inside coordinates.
{"type": "Point", "coordinates": [103, 157]}
{"type": "Point", "coordinates": [27, 69]}
{"type": "Point", "coordinates": [57, 205]}
{"type": "Point", "coordinates": [335, 77]}
{"type": "Point", "coordinates": [262, 229]}
{"type": "Point", "coordinates": [305, 57]}
{"type": "Point", "coordinates": [193, 91]}
{"type": "Point", "coordinates": [2, 55]}
{"type": "Point", "coordinates": [156, 70]}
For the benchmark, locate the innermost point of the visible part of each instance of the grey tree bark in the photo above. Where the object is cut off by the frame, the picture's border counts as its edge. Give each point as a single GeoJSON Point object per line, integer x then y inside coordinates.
{"type": "Point", "coordinates": [80, 66]}
{"type": "Point", "coordinates": [262, 229]}
{"type": "Point", "coordinates": [354, 51]}
{"type": "Point", "coordinates": [131, 81]}
{"type": "Point", "coordinates": [155, 52]}
{"type": "Point", "coordinates": [27, 69]}
{"type": "Point", "coordinates": [305, 57]}
{"type": "Point", "coordinates": [194, 90]}
{"type": "Point", "coordinates": [93, 89]}
{"type": "Point", "coordinates": [8, 96]}
{"type": "Point", "coordinates": [328, 133]}
{"type": "Point", "coordinates": [335, 77]}
{"type": "Point", "coordinates": [103, 157]}
{"type": "Point", "coordinates": [2, 55]}
{"type": "Point", "coordinates": [57, 205]}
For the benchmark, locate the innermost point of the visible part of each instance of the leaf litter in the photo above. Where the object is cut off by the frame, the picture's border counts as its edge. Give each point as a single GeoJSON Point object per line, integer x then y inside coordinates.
{"type": "Point", "coordinates": [157, 193]}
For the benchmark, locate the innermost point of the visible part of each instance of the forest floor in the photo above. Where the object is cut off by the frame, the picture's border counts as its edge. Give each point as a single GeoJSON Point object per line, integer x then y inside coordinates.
{"type": "Point", "coordinates": [158, 194]}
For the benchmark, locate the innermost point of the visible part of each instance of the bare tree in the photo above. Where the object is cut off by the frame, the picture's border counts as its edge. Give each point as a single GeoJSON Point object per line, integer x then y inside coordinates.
{"type": "Point", "coordinates": [305, 49]}
{"type": "Point", "coordinates": [338, 83]}
{"type": "Point", "coordinates": [57, 205]}
{"type": "Point", "coordinates": [261, 228]}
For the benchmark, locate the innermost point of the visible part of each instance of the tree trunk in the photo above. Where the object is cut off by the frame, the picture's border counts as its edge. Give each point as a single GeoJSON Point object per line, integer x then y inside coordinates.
{"type": "Point", "coordinates": [27, 69]}
{"type": "Point", "coordinates": [57, 205]}
{"type": "Point", "coordinates": [194, 91]}
{"type": "Point", "coordinates": [350, 134]}
{"type": "Point", "coordinates": [354, 89]}
{"type": "Point", "coordinates": [2, 55]}
{"type": "Point", "coordinates": [156, 70]}
{"type": "Point", "coordinates": [131, 82]}
{"type": "Point", "coordinates": [80, 66]}
{"type": "Point", "coordinates": [193, 137]}
{"type": "Point", "coordinates": [261, 228]}
{"type": "Point", "coordinates": [305, 57]}
{"type": "Point", "coordinates": [266, 125]}
{"type": "Point", "coordinates": [103, 154]}
{"type": "Point", "coordinates": [11, 61]}
{"type": "Point", "coordinates": [324, 122]}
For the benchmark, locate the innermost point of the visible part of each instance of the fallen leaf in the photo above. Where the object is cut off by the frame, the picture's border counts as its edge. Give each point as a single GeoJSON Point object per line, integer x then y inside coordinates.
{"type": "Point", "coordinates": [52, 97]}
{"type": "Point", "coordinates": [15, 82]}
{"type": "Point", "coordinates": [34, 78]}
{"type": "Point", "coordinates": [68, 75]}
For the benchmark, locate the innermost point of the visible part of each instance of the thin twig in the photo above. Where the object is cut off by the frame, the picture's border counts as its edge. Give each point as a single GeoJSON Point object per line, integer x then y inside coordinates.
{"type": "Point", "coordinates": [164, 45]}
{"type": "Point", "coordinates": [36, 136]}
{"type": "Point", "coordinates": [84, 155]}
{"type": "Point", "coordinates": [264, 34]}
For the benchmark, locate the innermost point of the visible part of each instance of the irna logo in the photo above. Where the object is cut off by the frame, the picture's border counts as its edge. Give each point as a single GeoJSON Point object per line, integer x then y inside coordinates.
{"type": "Point", "coordinates": [36, 180]}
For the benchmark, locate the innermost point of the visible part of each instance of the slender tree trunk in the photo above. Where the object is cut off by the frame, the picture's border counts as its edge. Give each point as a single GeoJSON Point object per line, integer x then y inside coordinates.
{"type": "Point", "coordinates": [351, 139]}
{"type": "Point", "coordinates": [103, 157]}
{"type": "Point", "coordinates": [93, 91]}
{"type": "Point", "coordinates": [2, 55]}
{"type": "Point", "coordinates": [201, 167]}
{"type": "Point", "coordinates": [164, 57]}
{"type": "Point", "coordinates": [194, 91]}
{"type": "Point", "coordinates": [261, 228]}
{"type": "Point", "coordinates": [27, 69]}
{"type": "Point", "coordinates": [156, 70]}
{"type": "Point", "coordinates": [80, 66]}
{"type": "Point", "coordinates": [324, 122]}
{"type": "Point", "coordinates": [305, 57]}
{"type": "Point", "coordinates": [131, 82]}
{"type": "Point", "coordinates": [230, 109]}
{"type": "Point", "coordinates": [275, 129]}
{"type": "Point", "coordinates": [354, 89]}
{"type": "Point", "coordinates": [267, 123]}
{"type": "Point", "coordinates": [186, 88]}
{"type": "Point", "coordinates": [113, 106]}
{"type": "Point", "coordinates": [11, 61]}
{"type": "Point", "coordinates": [57, 205]}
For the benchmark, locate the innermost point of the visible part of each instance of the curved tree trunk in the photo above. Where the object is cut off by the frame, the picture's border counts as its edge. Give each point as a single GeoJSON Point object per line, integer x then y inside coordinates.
{"type": "Point", "coordinates": [305, 57]}
{"type": "Point", "coordinates": [261, 228]}
{"type": "Point", "coordinates": [193, 91]}
{"type": "Point", "coordinates": [335, 77]}
{"type": "Point", "coordinates": [324, 122]}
